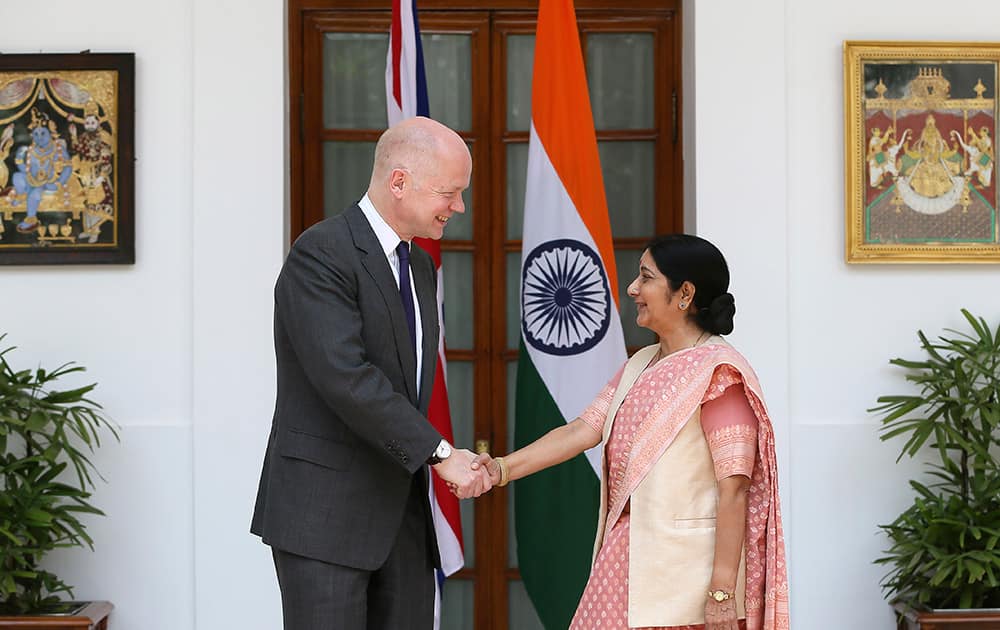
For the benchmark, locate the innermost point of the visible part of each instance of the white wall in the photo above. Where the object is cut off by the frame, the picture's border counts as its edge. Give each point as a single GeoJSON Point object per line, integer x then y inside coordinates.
{"type": "Point", "coordinates": [768, 77]}
{"type": "Point", "coordinates": [239, 87]}
{"type": "Point", "coordinates": [180, 343]}
{"type": "Point", "coordinates": [129, 325]}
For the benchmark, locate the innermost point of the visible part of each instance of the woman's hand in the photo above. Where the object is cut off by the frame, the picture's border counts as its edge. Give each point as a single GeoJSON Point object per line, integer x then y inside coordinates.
{"type": "Point", "coordinates": [720, 615]}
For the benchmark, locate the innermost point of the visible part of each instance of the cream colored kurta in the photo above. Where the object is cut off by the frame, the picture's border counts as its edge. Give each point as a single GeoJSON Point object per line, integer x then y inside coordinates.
{"type": "Point", "coordinates": [672, 536]}
{"type": "Point", "coordinates": [671, 530]}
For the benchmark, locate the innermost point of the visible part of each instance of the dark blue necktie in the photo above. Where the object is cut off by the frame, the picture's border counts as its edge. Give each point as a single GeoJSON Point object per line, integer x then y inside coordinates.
{"type": "Point", "coordinates": [405, 294]}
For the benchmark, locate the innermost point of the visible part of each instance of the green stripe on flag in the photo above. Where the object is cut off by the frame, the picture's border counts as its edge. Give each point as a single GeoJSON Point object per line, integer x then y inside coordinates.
{"type": "Point", "coordinates": [555, 510]}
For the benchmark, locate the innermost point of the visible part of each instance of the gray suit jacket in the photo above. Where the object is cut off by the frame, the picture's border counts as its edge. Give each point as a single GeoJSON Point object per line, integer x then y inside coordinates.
{"type": "Point", "coordinates": [348, 432]}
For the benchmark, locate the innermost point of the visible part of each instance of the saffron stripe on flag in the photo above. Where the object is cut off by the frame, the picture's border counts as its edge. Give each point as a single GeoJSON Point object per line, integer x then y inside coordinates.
{"type": "Point", "coordinates": [562, 117]}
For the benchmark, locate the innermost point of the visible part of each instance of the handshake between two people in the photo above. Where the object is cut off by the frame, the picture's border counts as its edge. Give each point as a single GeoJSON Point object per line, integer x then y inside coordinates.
{"type": "Point", "coordinates": [468, 475]}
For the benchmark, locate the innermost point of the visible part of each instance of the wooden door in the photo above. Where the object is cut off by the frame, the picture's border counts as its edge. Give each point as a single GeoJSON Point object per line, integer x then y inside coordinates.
{"type": "Point", "coordinates": [478, 59]}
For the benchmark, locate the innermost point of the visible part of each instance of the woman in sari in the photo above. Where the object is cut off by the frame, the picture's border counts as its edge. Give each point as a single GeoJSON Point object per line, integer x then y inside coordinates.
{"type": "Point", "coordinates": [689, 534]}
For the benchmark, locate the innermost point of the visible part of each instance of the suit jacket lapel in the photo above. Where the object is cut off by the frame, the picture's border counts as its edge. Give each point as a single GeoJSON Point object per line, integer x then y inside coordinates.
{"type": "Point", "coordinates": [423, 279]}
{"type": "Point", "coordinates": [377, 266]}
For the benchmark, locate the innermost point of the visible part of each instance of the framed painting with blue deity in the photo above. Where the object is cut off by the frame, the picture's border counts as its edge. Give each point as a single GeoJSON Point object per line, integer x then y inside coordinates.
{"type": "Point", "coordinates": [67, 158]}
{"type": "Point", "coordinates": [920, 122]}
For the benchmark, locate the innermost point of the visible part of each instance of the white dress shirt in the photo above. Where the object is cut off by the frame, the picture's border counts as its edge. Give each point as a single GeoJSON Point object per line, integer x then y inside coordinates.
{"type": "Point", "coordinates": [389, 240]}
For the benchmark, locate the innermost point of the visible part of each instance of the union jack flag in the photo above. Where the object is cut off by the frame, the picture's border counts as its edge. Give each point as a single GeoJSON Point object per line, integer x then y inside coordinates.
{"type": "Point", "coordinates": [406, 96]}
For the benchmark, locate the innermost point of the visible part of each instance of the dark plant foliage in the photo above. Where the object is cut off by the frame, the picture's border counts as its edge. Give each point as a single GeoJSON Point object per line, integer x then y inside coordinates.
{"type": "Point", "coordinates": [46, 478]}
{"type": "Point", "coordinates": [944, 549]}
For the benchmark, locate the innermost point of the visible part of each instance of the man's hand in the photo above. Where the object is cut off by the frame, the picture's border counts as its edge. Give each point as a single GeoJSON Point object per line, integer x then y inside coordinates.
{"type": "Point", "coordinates": [485, 462]}
{"type": "Point", "coordinates": [464, 481]}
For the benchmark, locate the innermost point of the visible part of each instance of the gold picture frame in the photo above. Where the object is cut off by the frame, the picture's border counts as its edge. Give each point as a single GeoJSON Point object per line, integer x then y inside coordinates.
{"type": "Point", "coordinates": [920, 120]}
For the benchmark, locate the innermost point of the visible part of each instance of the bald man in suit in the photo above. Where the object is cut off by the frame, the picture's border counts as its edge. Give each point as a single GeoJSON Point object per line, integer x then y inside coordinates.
{"type": "Point", "coordinates": [343, 497]}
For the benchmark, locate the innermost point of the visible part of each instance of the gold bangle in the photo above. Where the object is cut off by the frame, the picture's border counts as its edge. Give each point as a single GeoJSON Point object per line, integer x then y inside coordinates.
{"type": "Point", "coordinates": [504, 473]}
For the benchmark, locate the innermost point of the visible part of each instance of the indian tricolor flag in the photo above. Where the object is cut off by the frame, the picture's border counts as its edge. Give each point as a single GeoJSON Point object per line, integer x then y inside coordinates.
{"type": "Point", "coordinates": [571, 335]}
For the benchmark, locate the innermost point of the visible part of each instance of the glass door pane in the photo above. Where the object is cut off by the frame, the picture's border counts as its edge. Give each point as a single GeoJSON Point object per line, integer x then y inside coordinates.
{"type": "Point", "coordinates": [459, 284]}
{"type": "Point", "coordinates": [629, 185]}
{"type": "Point", "coordinates": [354, 80]}
{"type": "Point", "coordinates": [517, 174]}
{"type": "Point", "coordinates": [461, 403]}
{"type": "Point", "coordinates": [521, 612]}
{"type": "Point", "coordinates": [448, 64]}
{"type": "Point", "coordinates": [520, 62]}
{"type": "Point", "coordinates": [620, 76]}
{"type": "Point", "coordinates": [347, 168]}
{"type": "Point", "coordinates": [457, 605]}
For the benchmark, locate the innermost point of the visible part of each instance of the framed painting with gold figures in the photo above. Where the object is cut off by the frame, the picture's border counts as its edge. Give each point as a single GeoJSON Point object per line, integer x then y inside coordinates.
{"type": "Point", "coordinates": [920, 157]}
{"type": "Point", "coordinates": [66, 158]}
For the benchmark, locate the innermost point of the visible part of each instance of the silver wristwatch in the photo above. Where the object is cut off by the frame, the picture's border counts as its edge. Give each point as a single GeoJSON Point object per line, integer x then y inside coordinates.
{"type": "Point", "coordinates": [442, 452]}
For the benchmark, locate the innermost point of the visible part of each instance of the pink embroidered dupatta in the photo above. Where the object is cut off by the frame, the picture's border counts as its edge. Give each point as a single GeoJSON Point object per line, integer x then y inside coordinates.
{"type": "Point", "coordinates": [675, 389]}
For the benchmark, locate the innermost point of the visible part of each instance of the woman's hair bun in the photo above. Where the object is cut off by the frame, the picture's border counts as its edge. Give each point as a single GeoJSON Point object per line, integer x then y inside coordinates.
{"type": "Point", "coordinates": [719, 318]}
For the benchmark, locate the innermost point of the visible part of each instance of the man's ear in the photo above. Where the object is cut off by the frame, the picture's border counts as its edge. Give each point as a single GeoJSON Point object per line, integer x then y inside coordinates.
{"type": "Point", "coordinates": [397, 182]}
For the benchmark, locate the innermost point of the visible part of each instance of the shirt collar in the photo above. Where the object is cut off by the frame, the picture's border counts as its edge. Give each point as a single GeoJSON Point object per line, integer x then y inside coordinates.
{"type": "Point", "coordinates": [386, 236]}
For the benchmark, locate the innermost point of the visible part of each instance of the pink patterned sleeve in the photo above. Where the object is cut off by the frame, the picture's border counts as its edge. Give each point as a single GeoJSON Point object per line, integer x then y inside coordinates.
{"type": "Point", "coordinates": [729, 423]}
{"type": "Point", "coordinates": [597, 412]}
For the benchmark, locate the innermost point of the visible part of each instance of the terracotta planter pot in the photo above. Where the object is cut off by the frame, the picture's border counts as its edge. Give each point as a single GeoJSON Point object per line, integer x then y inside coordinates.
{"type": "Point", "coordinates": [972, 619]}
{"type": "Point", "coordinates": [92, 616]}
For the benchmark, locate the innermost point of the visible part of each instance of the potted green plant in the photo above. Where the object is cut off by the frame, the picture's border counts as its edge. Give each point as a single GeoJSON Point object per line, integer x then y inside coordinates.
{"type": "Point", "coordinates": [46, 478]}
{"type": "Point", "coordinates": [944, 554]}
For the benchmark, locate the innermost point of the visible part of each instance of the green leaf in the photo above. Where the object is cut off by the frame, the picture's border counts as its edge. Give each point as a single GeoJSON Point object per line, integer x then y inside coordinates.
{"type": "Point", "coordinates": [10, 536]}
{"type": "Point", "coordinates": [978, 325]}
{"type": "Point", "coordinates": [36, 421]}
{"type": "Point", "coordinates": [943, 573]}
{"type": "Point", "coordinates": [89, 509]}
{"type": "Point", "coordinates": [73, 395]}
{"type": "Point", "coordinates": [910, 365]}
{"type": "Point", "coordinates": [38, 516]}
{"type": "Point", "coordinates": [901, 428]}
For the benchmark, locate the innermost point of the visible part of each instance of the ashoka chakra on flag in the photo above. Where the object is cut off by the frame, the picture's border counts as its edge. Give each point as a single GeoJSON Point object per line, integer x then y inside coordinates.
{"type": "Point", "coordinates": [566, 302]}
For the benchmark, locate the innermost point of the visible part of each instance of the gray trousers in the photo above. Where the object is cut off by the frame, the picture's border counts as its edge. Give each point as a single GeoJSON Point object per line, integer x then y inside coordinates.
{"type": "Point", "coordinates": [399, 595]}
